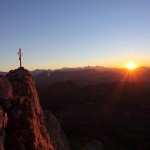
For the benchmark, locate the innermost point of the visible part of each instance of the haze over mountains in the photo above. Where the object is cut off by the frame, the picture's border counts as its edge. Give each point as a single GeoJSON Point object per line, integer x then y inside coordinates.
{"type": "Point", "coordinates": [3, 73]}
{"type": "Point", "coordinates": [92, 75]}
{"type": "Point", "coordinates": [89, 75]}
{"type": "Point", "coordinates": [38, 71]}
{"type": "Point", "coordinates": [66, 69]}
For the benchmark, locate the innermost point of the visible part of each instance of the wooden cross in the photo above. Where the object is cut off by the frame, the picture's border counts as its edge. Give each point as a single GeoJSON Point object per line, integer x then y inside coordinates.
{"type": "Point", "coordinates": [20, 55]}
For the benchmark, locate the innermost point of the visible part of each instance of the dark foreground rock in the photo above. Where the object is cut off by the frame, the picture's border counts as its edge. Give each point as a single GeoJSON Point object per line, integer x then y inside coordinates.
{"type": "Point", "coordinates": [58, 138]}
{"type": "Point", "coordinates": [86, 144]}
{"type": "Point", "coordinates": [3, 123]}
{"type": "Point", "coordinates": [5, 97]}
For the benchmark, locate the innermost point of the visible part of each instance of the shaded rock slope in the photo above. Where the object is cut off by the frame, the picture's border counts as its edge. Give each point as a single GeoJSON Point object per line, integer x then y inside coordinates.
{"type": "Point", "coordinates": [58, 138]}
{"type": "Point", "coordinates": [22, 121]}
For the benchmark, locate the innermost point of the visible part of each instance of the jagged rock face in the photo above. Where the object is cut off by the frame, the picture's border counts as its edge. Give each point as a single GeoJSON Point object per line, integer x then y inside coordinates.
{"type": "Point", "coordinates": [3, 123]}
{"type": "Point", "coordinates": [1, 130]}
{"type": "Point", "coordinates": [5, 96]}
{"type": "Point", "coordinates": [5, 88]}
{"type": "Point", "coordinates": [23, 85]}
{"type": "Point", "coordinates": [22, 121]}
{"type": "Point", "coordinates": [22, 82]}
{"type": "Point", "coordinates": [26, 128]}
{"type": "Point", "coordinates": [58, 138]}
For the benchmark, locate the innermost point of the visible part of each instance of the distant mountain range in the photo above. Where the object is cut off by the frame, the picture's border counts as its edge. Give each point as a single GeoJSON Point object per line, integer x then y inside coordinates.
{"type": "Point", "coordinates": [66, 69]}
{"type": "Point", "coordinates": [89, 75]}
{"type": "Point", "coordinates": [98, 68]}
{"type": "Point", "coordinates": [3, 73]}
{"type": "Point", "coordinates": [92, 76]}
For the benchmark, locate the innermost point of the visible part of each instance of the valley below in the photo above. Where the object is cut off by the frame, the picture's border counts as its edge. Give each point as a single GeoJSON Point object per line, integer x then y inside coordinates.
{"type": "Point", "coordinates": [107, 115]}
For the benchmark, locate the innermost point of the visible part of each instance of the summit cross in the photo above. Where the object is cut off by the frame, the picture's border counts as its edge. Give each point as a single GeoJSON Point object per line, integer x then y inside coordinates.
{"type": "Point", "coordinates": [20, 57]}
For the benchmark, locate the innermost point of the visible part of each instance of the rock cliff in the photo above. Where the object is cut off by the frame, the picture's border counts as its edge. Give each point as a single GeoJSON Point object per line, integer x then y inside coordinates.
{"type": "Point", "coordinates": [22, 121]}
{"type": "Point", "coordinates": [58, 138]}
{"type": "Point", "coordinates": [5, 97]}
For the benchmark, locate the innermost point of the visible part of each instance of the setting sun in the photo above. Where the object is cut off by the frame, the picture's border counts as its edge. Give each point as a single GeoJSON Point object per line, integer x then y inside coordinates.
{"type": "Point", "coordinates": [131, 66]}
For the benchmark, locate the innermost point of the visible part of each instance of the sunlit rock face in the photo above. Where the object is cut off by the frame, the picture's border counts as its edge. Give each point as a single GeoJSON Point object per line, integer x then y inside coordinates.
{"type": "Point", "coordinates": [26, 128]}
{"type": "Point", "coordinates": [22, 121]}
{"type": "Point", "coordinates": [23, 85]}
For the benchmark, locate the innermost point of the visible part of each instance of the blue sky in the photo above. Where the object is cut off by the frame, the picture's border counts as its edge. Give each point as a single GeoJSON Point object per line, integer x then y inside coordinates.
{"type": "Point", "coordinates": [72, 33]}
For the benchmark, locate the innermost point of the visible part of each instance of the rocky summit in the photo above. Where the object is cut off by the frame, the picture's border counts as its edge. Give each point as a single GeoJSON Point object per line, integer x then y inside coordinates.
{"type": "Point", "coordinates": [22, 122]}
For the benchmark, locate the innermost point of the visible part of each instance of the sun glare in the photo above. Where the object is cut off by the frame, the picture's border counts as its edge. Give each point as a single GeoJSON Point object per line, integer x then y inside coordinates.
{"type": "Point", "coordinates": [131, 66]}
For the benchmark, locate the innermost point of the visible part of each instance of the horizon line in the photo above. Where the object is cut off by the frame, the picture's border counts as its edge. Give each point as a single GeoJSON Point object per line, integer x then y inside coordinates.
{"type": "Point", "coordinates": [86, 67]}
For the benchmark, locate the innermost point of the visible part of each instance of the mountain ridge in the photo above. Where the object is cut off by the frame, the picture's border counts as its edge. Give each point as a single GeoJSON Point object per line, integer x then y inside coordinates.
{"type": "Point", "coordinates": [93, 76]}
